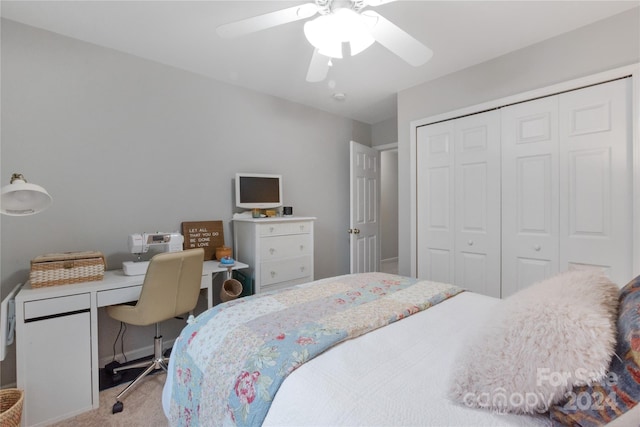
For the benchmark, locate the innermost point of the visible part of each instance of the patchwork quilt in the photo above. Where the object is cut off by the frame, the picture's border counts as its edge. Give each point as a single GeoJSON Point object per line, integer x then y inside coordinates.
{"type": "Point", "coordinates": [230, 361]}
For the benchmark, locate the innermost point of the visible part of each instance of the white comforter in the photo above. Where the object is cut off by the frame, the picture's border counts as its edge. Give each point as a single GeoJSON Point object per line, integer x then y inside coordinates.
{"type": "Point", "coordinates": [396, 375]}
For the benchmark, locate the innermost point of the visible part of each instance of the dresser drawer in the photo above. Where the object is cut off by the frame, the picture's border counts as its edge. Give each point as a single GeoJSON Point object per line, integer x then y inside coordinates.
{"type": "Point", "coordinates": [288, 246]}
{"type": "Point", "coordinates": [287, 284]}
{"type": "Point", "coordinates": [287, 269]}
{"type": "Point", "coordinates": [280, 228]}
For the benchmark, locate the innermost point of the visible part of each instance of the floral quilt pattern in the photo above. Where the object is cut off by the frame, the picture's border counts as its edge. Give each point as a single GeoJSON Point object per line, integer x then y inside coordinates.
{"type": "Point", "coordinates": [230, 361]}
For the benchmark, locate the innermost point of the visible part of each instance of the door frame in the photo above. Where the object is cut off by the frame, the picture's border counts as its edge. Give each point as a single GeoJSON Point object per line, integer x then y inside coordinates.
{"type": "Point", "coordinates": [391, 147]}
{"type": "Point", "coordinates": [631, 70]}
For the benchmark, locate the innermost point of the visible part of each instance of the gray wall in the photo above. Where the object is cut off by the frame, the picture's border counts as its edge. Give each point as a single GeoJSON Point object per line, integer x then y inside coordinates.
{"type": "Point", "coordinates": [385, 132]}
{"type": "Point", "coordinates": [601, 46]}
{"type": "Point", "coordinates": [127, 145]}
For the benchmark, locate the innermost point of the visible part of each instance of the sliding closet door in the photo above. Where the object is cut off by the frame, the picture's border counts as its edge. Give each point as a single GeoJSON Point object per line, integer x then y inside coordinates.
{"type": "Point", "coordinates": [435, 144]}
{"type": "Point", "coordinates": [509, 197]}
{"type": "Point", "coordinates": [458, 202]}
{"type": "Point", "coordinates": [595, 179]}
{"type": "Point", "coordinates": [477, 203]}
{"type": "Point", "coordinates": [530, 205]}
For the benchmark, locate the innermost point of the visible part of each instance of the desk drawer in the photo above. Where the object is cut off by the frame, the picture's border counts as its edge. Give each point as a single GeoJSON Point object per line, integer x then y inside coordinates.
{"type": "Point", "coordinates": [56, 306]}
{"type": "Point", "coordinates": [119, 296]}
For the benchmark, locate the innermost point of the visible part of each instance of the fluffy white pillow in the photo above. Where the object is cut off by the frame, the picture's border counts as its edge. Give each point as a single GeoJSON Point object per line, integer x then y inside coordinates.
{"type": "Point", "coordinates": [541, 342]}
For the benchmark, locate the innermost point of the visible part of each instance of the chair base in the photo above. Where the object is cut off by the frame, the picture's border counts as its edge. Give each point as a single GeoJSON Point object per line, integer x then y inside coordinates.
{"type": "Point", "coordinates": [158, 362]}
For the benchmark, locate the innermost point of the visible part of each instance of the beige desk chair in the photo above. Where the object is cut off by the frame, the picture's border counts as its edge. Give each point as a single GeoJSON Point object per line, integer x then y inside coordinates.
{"type": "Point", "coordinates": [171, 288]}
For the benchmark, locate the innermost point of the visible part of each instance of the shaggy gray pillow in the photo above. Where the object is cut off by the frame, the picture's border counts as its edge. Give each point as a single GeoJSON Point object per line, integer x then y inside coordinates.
{"type": "Point", "coordinates": [541, 342]}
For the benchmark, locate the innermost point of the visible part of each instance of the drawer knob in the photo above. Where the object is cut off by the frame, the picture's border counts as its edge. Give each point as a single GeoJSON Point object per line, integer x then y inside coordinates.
{"type": "Point", "coordinates": [470, 242]}
{"type": "Point", "coordinates": [302, 228]}
{"type": "Point", "coordinates": [302, 247]}
{"type": "Point", "coordinates": [273, 274]}
{"type": "Point", "coordinates": [302, 268]}
{"type": "Point", "coordinates": [537, 248]}
{"type": "Point", "coordinates": [271, 229]}
{"type": "Point", "coordinates": [272, 251]}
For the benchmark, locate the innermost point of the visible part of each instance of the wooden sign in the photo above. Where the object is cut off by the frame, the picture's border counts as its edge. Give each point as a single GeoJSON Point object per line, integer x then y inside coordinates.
{"type": "Point", "coordinates": [207, 235]}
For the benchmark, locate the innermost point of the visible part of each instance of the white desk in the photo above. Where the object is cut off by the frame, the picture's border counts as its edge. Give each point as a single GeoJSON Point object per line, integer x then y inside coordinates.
{"type": "Point", "coordinates": [57, 341]}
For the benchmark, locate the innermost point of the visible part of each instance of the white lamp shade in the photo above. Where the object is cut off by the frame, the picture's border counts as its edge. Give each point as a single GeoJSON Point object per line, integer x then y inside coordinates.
{"type": "Point", "coordinates": [353, 30]}
{"type": "Point", "coordinates": [22, 198]}
{"type": "Point", "coordinates": [321, 34]}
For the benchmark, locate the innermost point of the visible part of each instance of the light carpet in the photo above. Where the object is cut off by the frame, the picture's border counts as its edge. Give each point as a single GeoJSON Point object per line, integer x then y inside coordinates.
{"type": "Point", "coordinates": [142, 407]}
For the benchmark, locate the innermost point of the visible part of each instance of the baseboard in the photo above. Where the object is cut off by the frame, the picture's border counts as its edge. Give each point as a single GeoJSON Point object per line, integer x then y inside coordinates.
{"type": "Point", "coordinates": [10, 385]}
{"type": "Point", "coordinates": [138, 353]}
{"type": "Point", "coordinates": [387, 260]}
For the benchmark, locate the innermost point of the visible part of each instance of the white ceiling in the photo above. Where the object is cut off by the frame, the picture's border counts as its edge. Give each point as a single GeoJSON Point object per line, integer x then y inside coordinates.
{"type": "Point", "coordinates": [275, 61]}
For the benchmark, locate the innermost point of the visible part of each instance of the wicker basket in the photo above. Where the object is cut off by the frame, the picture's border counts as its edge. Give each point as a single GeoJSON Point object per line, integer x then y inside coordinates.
{"type": "Point", "coordinates": [66, 268]}
{"type": "Point", "coordinates": [11, 407]}
{"type": "Point", "coordinates": [231, 289]}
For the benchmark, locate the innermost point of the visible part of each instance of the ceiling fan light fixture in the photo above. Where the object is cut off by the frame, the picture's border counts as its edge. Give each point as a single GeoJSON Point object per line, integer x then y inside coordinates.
{"type": "Point", "coordinates": [353, 29]}
{"type": "Point", "coordinates": [321, 34]}
{"type": "Point", "coordinates": [342, 25]}
{"type": "Point", "coordinates": [358, 45]}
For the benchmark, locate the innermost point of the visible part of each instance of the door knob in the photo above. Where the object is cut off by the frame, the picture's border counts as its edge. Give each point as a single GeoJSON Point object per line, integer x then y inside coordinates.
{"type": "Point", "coordinates": [356, 231]}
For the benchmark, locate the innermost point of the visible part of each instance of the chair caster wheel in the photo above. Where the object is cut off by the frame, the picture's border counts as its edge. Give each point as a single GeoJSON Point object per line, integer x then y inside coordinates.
{"type": "Point", "coordinates": [116, 378]}
{"type": "Point", "coordinates": [117, 407]}
{"type": "Point", "coordinates": [109, 367]}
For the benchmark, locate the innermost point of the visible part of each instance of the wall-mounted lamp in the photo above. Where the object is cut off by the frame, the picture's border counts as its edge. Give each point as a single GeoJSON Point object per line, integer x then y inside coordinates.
{"type": "Point", "coordinates": [20, 198]}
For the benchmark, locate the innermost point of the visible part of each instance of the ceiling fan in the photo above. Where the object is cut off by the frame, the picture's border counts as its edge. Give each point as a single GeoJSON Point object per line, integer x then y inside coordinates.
{"type": "Point", "coordinates": [342, 26]}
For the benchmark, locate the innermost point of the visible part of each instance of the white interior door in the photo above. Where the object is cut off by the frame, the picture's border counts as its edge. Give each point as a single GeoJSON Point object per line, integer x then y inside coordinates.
{"type": "Point", "coordinates": [530, 210]}
{"type": "Point", "coordinates": [595, 179]}
{"type": "Point", "coordinates": [435, 236]}
{"type": "Point", "coordinates": [365, 208]}
{"type": "Point", "coordinates": [477, 203]}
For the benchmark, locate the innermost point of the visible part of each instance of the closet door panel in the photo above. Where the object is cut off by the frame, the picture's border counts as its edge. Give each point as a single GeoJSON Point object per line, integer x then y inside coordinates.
{"type": "Point", "coordinates": [529, 193]}
{"type": "Point", "coordinates": [434, 202]}
{"type": "Point", "coordinates": [477, 203]}
{"type": "Point", "coordinates": [595, 157]}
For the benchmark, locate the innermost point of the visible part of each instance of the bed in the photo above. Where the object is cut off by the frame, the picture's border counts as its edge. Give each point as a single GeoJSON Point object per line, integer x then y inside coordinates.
{"type": "Point", "coordinates": [397, 369]}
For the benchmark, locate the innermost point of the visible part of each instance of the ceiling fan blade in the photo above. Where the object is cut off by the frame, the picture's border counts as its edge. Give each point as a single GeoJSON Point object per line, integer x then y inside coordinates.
{"type": "Point", "coordinates": [268, 20]}
{"type": "Point", "coordinates": [318, 67]}
{"type": "Point", "coordinates": [396, 40]}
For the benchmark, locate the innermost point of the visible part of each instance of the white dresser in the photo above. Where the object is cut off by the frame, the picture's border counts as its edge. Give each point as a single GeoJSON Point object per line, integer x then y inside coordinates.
{"type": "Point", "coordinates": [279, 250]}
